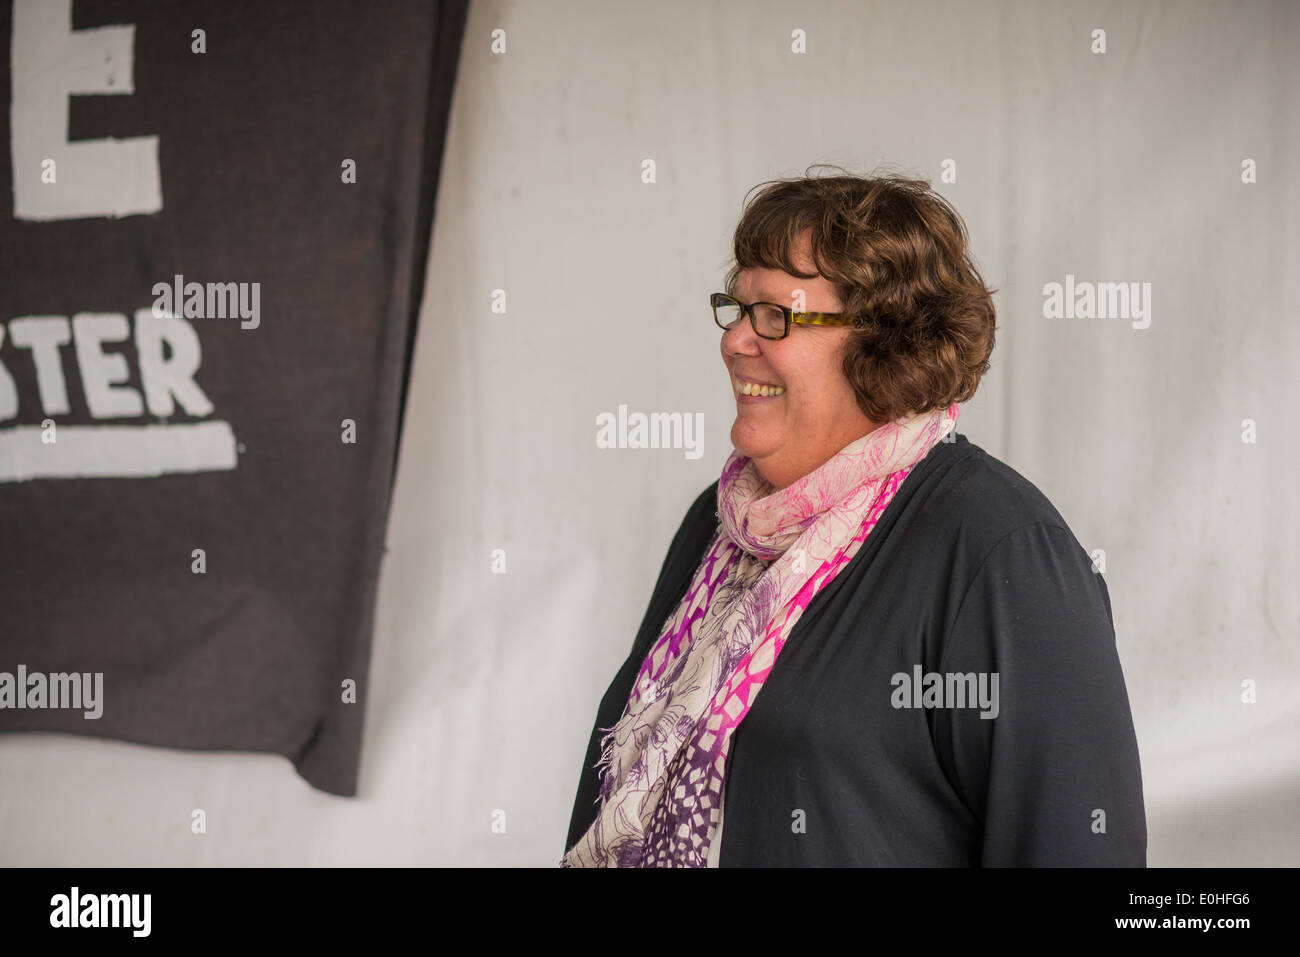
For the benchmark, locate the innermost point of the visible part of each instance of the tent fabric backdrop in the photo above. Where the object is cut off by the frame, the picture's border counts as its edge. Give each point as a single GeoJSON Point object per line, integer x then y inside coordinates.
{"type": "Point", "coordinates": [563, 287]}
{"type": "Point", "coordinates": [194, 485]}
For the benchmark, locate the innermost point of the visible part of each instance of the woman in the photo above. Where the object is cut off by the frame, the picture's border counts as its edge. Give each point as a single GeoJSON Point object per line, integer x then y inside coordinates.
{"type": "Point", "coordinates": [935, 653]}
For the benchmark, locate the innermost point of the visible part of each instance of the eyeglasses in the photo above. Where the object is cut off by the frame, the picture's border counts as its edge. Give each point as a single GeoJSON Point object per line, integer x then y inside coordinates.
{"type": "Point", "coordinates": [769, 320]}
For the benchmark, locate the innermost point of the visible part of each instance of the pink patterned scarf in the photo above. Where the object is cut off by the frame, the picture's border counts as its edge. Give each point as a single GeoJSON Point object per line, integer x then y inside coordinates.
{"type": "Point", "coordinates": [663, 762]}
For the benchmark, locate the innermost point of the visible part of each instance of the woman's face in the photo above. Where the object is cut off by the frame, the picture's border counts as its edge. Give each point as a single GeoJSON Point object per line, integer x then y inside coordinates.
{"type": "Point", "coordinates": [791, 434]}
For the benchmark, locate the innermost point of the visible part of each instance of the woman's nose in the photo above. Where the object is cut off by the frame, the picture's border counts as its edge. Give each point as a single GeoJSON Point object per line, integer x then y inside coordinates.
{"type": "Point", "coordinates": [740, 338]}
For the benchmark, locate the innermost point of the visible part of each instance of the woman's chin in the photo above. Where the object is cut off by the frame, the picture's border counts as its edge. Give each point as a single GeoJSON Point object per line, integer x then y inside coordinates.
{"type": "Point", "coordinates": [750, 444]}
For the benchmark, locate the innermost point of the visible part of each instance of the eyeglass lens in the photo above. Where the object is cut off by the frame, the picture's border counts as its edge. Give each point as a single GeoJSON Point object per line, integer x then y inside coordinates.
{"type": "Point", "coordinates": [769, 319]}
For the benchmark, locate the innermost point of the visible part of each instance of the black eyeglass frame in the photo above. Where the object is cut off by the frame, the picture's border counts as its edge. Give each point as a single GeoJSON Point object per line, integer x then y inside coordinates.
{"type": "Point", "coordinates": [717, 299]}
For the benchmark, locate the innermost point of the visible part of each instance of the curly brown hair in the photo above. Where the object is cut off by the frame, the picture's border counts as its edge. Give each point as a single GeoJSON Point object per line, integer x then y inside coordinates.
{"type": "Point", "coordinates": [898, 255]}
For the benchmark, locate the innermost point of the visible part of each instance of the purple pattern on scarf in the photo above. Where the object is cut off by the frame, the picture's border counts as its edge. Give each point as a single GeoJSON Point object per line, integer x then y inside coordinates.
{"type": "Point", "coordinates": [674, 638]}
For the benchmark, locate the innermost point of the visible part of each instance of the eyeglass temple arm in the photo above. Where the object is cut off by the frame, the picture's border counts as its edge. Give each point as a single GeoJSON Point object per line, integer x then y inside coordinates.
{"type": "Point", "coordinates": [820, 318]}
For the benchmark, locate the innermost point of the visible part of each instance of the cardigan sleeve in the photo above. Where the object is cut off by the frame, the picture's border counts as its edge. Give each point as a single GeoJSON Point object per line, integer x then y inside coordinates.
{"type": "Point", "coordinates": [1055, 776]}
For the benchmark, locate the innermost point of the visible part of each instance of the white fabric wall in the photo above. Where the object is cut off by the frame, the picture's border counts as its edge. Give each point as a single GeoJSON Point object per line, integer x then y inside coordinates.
{"type": "Point", "coordinates": [1123, 166]}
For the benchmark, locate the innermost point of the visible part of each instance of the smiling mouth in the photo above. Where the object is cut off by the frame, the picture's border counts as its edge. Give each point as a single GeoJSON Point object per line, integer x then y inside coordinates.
{"type": "Point", "coordinates": [755, 389]}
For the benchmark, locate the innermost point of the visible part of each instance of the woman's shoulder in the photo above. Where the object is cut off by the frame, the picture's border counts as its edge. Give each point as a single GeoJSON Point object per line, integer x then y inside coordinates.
{"type": "Point", "coordinates": [695, 531]}
{"type": "Point", "coordinates": [988, 492]}
{"type": "Point", "coordinates": [967, 502]}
